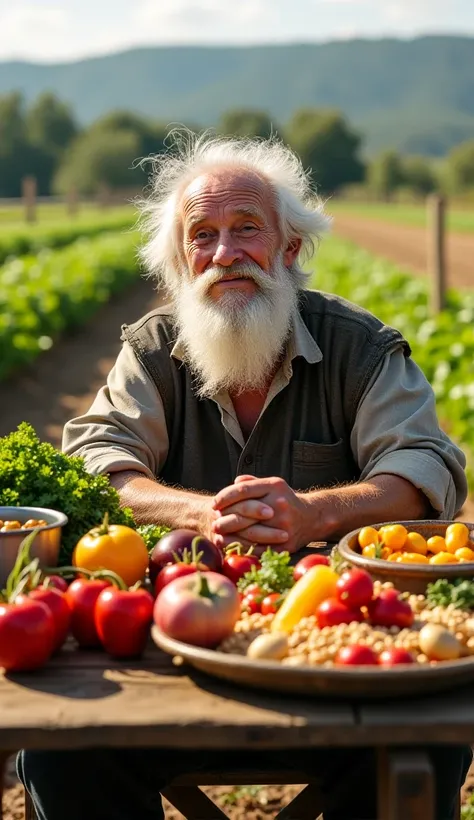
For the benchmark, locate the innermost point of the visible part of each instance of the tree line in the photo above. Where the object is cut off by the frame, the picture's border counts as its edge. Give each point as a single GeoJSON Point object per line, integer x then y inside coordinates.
{"type": "Point", "coordinates": [44, 140]}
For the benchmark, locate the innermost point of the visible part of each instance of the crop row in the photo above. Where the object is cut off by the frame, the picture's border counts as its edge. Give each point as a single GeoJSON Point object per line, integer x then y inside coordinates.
{"type": "Point", "coordinates": [42, 296]}
{"type": "Point", "coordinates": [20, 240]}
{"type": "Point", "coordinates": [442, 345]}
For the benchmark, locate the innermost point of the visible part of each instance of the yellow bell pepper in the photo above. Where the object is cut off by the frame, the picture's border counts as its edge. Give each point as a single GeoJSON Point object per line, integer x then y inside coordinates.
{"type": "Point", "coordinates": [317, 584]}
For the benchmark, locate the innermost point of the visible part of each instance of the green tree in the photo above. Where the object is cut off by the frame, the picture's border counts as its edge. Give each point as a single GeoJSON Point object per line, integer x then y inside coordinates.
{"type": "Point", "coordinates": [17, 159]}
{"type": "Point", "coordinates": [151, 135]}
{"type": "Point", "coordinates": [100, 157]}
{"type": "Point", "coordinates": [50, 124]}
{"type": "Point", "coordinates": [327, 146]}
{"type": "Point", "coordinates": [460, 167]}
{"type": "Point", "coordinates": [385, 174]}
{"type": "Point", "coordinates": [246, 123]}
{"type": "Point", "coordinates": [418, 175]}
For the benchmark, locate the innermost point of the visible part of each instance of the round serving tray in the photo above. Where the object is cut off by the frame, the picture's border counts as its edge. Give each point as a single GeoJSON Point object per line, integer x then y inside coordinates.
{"type": "Point", "coordinates": [353, 682]}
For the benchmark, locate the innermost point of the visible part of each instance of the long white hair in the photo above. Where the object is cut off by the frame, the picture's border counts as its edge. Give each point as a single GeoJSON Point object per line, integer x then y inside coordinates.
{"type": "Point", "coordinates": [299, 210]}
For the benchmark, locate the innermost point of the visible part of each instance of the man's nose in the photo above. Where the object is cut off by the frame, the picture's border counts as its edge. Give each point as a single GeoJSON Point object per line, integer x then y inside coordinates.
{"type": "Point", "coordinates": [226, 252]}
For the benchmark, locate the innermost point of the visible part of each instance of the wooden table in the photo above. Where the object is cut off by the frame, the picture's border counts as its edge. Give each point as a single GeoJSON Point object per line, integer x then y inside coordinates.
{"type": "Point", "coordinates": [85, 699]}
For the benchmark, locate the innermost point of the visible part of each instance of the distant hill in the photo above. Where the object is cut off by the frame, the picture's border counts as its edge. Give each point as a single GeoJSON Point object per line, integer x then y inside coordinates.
{"type": "Point", "coordinates": [416, 96]}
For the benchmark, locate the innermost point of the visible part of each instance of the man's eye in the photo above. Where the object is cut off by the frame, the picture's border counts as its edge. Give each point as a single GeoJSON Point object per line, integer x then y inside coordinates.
{"type": "Point", "coordinates": [248, 228]}
{"type": "Point", "coordinates": [202, 235]}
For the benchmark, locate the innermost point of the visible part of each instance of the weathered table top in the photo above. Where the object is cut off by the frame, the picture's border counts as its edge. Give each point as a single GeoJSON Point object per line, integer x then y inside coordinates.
{"type": "Point", "coordinates": [86, 699]}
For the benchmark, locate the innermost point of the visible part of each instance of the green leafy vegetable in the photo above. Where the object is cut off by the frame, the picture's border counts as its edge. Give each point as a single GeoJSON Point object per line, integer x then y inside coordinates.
{"type": "Point", "coordinates": [151, 533]}
{"type": "Point", "coordinates": [274, 574]}
{"type": "Point", "coordinates": [34, 474]}
{"type": "Point", "coordinates": [459, 593]}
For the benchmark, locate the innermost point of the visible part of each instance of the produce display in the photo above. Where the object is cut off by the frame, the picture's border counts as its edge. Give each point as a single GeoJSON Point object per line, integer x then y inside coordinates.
{"type": "Point", "coordinates": [394, 542]}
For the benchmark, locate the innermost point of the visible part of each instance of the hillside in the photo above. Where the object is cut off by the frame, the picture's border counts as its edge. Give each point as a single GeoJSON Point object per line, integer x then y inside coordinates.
{"type": "Point", "coordinates": [416, 95]}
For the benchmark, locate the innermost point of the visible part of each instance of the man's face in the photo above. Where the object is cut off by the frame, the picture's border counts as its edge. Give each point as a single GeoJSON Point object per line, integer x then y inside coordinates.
{"type": "Point", "coordinates": [236, 294]}
{"type": "Point", "coordinates": [228, 221]}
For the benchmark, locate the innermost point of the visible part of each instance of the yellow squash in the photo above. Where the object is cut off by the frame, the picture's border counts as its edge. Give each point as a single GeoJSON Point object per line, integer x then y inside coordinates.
{"type": "Point", "coordinates": [317, 584]}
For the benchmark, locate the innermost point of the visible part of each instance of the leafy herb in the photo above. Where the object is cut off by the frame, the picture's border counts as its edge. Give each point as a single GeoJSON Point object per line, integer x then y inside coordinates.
{"type": "Point", "coordinates": [274, 574]}
{"type": "Point", "coordinates": [34, 474]}
{"type": "Point", "coordinates": [459, 593]}
{"type": "Point", "coordinates": [151, 533]}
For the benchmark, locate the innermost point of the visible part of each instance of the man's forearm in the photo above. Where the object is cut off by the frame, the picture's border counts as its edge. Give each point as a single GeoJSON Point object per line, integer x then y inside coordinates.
{"type": "Point", "coordinates": [154, 503]}
{"type": "Point", "coordinates": [334, 512]}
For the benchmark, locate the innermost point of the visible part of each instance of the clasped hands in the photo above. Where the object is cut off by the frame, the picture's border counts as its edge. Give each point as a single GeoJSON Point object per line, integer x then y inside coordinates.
{"type": "Point", "coordinates": [259, 512]}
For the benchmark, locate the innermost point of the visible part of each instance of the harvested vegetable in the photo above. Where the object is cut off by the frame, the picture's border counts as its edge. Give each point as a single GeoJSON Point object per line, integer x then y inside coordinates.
{"type": "Point", "coordinates": [122, 619]}
{"type": "Point", "coordinates": [459, 593]}
{"type": "Point", "coordinates": [274, 574]}
{"type": "Point", "coordinates": [151, 534]}
{"type": "Point", "coordinates": [304, 598]}
{"type": "Point", "coordinates": [269, 647]}
{"type": "Point", "coordinates": [439, 644]}
{"type": "Point", "coordinates": [173, 545]}
{"type": "Point", "coordinates": [113, 547]}
{"type": "Point", "coordinates": [33, 473]}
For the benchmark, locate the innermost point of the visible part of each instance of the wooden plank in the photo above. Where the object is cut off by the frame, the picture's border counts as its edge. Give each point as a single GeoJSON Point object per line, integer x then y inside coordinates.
{"type": "Point", "coordinates": [193, 803]}
{"type": "Point", "coordinates": [405, 785]}
{"type": "Point", "coordinates": [71, 706]}
{"type": "Point", "coordinates": [305, 806]}
{"type": "Point", "coordinates": [443, 718]}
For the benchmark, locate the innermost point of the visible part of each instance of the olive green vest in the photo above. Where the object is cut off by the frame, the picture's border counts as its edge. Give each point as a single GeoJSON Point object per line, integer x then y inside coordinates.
{"type": "Point", "coordinates": [303, 435]}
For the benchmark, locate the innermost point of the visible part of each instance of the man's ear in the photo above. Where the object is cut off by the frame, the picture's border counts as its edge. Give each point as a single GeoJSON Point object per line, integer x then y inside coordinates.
{"type": "Point", "coordinates": [291, 251]}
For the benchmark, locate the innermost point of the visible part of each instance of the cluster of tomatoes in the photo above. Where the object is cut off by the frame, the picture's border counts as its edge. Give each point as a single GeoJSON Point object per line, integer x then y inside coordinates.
{"type": "Point", "coordinates": [255, 599]}
{"type": "Point", "coordinates": [393, 542]}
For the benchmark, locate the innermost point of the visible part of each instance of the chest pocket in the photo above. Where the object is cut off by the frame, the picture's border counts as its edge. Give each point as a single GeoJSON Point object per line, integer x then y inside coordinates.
{"type": "Point", "coordinates": [321, 465]}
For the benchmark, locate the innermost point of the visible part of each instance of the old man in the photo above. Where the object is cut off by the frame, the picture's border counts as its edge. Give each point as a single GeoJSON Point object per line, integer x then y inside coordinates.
{"type": "Point", "coordinates": [251, 408]}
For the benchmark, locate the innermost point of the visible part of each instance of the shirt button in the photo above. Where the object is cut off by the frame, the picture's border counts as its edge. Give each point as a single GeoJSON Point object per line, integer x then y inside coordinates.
{"type": "Point", "coordinates": [248, 459]}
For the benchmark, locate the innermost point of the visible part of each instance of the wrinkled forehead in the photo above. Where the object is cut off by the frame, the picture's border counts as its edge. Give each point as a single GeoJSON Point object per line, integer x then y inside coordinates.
{"type": "Point", "coordinates": [220, 193]}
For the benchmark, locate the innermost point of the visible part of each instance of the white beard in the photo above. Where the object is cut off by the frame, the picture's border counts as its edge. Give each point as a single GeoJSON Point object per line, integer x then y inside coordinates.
{"type": "Point", "coordinates": [234, 343]}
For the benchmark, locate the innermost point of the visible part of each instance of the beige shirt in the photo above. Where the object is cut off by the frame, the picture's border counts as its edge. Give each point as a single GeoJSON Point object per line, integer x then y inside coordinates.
{"type": "Point", "coordinates": [396, 429]}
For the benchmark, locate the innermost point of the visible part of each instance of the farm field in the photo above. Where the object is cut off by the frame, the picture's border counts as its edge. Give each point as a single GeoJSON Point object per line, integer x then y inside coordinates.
{"type": "Point", "coordinates": [12, 216]}
{"type": "Point", "coordinates": [459, 219]}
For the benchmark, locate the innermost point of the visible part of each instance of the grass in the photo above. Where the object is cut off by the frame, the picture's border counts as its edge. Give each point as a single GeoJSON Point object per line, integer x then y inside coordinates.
{"type": "Point", "coordinates": [12, 218]}
{"type": "Point", "coordinates": [461, 220]}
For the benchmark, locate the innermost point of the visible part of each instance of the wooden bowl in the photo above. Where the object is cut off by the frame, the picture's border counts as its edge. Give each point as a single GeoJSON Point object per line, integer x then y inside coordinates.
{"type": "Point", "coordinates": [350, 682]}
{"type": "Point", "coordinates": [406, 577]}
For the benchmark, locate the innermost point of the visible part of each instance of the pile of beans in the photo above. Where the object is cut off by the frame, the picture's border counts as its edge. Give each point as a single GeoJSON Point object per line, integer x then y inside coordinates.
{"type": "Point", "coordinates": [31, 524]}
{"type": "Point", "coordinates": [310, 645]}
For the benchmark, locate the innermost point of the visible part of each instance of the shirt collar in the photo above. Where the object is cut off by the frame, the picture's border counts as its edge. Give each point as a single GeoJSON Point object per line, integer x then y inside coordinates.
{"type": "Point", "coordinates": [300, 343]}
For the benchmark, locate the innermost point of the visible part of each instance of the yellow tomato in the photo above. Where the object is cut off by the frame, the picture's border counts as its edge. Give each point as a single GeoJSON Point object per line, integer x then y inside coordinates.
{"type": "Point", "coordinates": [114, 547]}
{"type": "Point", "coordinates": [436, 544]}
{"type": "Point", "coordinates": [385, 553]}
{"type": "Point", "coordinates": [464, 554]}
{"type": "Point", "coordinates": [443, 558]}
{"type": "Point", "coordinates": [369, 551]}
{"type": "Point", "coordinates": [456, 536]}
{"type": "Point", "coordinates": [368, 536]}
{"type": "Point", "coordinates": [393, 536]}
{"type": "Point", "coordinates": [394, 556]}
{"type": "Point", "coordinates": [416, 543]}
{"type": "Point", "coordinates": [412, 558]}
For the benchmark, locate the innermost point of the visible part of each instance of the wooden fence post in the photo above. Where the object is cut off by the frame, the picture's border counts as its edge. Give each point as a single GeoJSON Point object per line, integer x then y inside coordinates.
{"type": "Point", "coordinates": [28, 189]}
{"type": "Point", "coordinates": [72, 201]}
{"type": "Point", "coordinates": [436, 251]}
{"type": "Point", "coordinates": [103, 195]}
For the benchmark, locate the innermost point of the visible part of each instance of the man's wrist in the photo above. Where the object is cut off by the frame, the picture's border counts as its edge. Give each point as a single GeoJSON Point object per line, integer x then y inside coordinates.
{"type": "Point", "coordinates": [319, 519]}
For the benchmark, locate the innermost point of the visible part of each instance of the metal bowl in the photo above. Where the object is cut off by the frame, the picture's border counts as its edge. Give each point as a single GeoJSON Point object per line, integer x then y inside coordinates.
{"type": "Point", "coordinates": [46, 544]}
{"type": "Point", "coordinates": [406, 577]}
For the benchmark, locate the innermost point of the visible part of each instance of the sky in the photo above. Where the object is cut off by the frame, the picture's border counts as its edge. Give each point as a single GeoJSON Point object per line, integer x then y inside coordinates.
{"type": "Point", "coordinates": [66, 30]}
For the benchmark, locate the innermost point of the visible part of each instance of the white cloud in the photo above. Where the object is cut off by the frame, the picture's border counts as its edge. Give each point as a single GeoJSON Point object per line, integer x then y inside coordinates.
{"type": "Point", "coordinates": [28, 29]}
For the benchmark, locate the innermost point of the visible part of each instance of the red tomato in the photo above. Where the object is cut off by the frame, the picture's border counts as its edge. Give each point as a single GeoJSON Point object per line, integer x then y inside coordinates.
{"type": "Point", "coordinates": [253, 588]}
{"type": "Point", "coordinates": [27, 635]}
{"type": "Point", "coordinates": [388, 609]}
{"type": "Point", "coordinates": [394, 655]}
{"type": "Point", "coordinates": [252, 601]}
{"type": "Point", "coordinates": [58, 605]}
{"type": "Point", "coordinates": [271, 603]}
{"type": "Point", "coordinates": [82, 596]}
{"type": "Point", "coordinates": [235, 566]}
{"type": "Point", "coordinates": [307, 562]}
{"type": "Point", "coordinates": [355, 588]}
{"type": "Point", "coordinates": [122, 619]}
{"type": "Point", "coordinates": [333, 612]}
{"type": "Point", "coordinates": [356, 654]}
{"type": "Point", "coordinates": [56, 581]}
{"type": "Point", "coordinates": [172, 571]}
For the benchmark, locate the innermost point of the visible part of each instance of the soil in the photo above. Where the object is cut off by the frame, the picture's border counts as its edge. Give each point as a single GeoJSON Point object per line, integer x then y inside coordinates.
{"type": "Point", "coordinates": [64, 381]}
{"type": "Point", "coordinates": [408, 246]}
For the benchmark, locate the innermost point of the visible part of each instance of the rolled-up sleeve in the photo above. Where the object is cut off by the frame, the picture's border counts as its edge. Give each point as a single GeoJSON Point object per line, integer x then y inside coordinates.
{"type": "Point", "coordinates": [397, 432]}
{"type": "Point", "coordinates": [125, 428]}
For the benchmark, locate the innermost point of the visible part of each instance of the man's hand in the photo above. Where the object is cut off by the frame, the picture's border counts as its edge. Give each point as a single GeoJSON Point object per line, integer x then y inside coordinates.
{"type": "Point", "coordinates": [259, 511]}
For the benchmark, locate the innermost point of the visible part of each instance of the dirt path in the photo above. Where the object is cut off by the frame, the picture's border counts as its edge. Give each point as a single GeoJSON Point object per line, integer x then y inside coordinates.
{"type": "Point", "coordinates": [407, 246]}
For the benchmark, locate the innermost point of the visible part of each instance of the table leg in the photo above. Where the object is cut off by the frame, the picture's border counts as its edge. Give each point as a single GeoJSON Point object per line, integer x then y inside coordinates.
{"type": "Point", "coordinates": [405, 785]}
{"type": "Point", "coordinates": [193, 803]}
